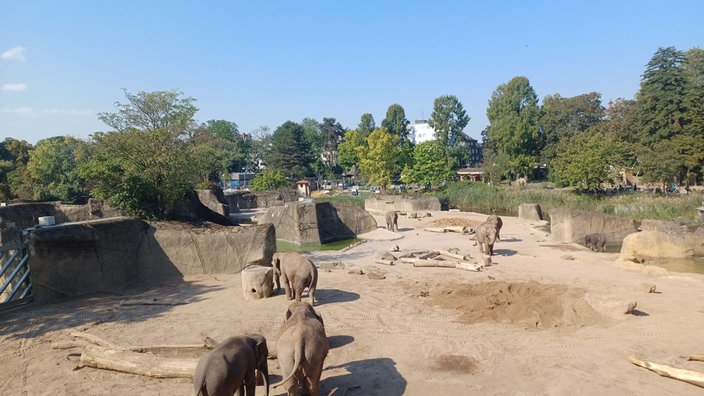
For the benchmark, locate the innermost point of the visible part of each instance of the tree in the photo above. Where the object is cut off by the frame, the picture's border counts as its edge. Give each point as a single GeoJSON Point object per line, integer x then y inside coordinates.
{"type": "Point", "coordinates": [430, 165]}
{"type": "Point", "coordinates": [448, 119]}
{"type": "Point", "coordinates": [694, 107]}
{"type": "Point", "coordinates": [588, 160]}
{"type": "Point", "coordinates": [349, 149]}
{"type": "Point", "coordinates": [395, 121]}
{"type": "Point", "coordinates": [377, 162]}
{"type": "Point", "coordinates": [145, 167]}
{"type": "Point", "coordinates": [661, 98]}
{"type": "Point", "coordinates": [14, 155]}
{"type": "Point", "coordinates": [366, 125]}
{"type": "Point", "coordinates": [52, 168]}
{"type": "Point", "coordinates": [269, 180]}
{"type": "Point", "coordinates": [561, 118]}
{"type": "Point", "coordinates": [290, 150]}
{"type": "Point", "coordinates": [513, 115]}
{"type": "Point", "coordinates": [333, 133]}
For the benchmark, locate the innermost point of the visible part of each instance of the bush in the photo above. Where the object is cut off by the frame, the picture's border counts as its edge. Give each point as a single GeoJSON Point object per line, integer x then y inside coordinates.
{"type": "Point", "coordinates": [269, 180]}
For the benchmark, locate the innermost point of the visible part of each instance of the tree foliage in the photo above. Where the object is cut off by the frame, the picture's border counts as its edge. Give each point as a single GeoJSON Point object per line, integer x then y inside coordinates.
{"type": "Point", "coordinates": [52, 169]}
{"type": "Point", "coordinates": [14, 155]}
{"type": "Point", "coordinates": [333, 133]}
{"type": "Point", "coordinates": [513, 115]}
{"type": "Point", "coordinates": [396, 122]}
{"type": "Point", "coordinates": [290, 151]}
{"type": "Point", "coordinates": [378, 162]}
{"type": "Point", "coordinates": [561, 118]}
{"type": "Point", "coordinates": [269, 180]}
{"type": "Point", "coordinates": [430, 164]}
{"type": "Point", "coordinates": [448, 119]}
{"type": "Point", "coordinates": [145, 167]}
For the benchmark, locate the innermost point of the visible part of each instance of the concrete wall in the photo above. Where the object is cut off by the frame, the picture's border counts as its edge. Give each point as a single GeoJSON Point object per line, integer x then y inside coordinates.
{"type": "Point", "coordinates": [379, 203]}
{"type": "Point", "coordinates": [106, 256]}
{"type": "Point", "coordinates": [571, 225]}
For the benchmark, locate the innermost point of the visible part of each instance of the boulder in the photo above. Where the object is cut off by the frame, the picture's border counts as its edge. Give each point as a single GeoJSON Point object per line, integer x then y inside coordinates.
{"type": "Point", "coordinates": [318, 222]}
{"type": "Point", "coordinates": [214, 199]}
{"type": "Point", "coordinates": [571, 225]}
{"type": "Point", "coordinates": [378, 203]}
{"type": "Point", "coordinates": [530, 211]}
{"type": "Point", "coordinates": [257, 282]}
{"type": "Point", "coordinates": [646, 245]}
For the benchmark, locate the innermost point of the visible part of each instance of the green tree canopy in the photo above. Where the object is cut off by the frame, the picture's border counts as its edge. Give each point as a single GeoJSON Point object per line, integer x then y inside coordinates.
{"type": "Point", "coordinates": [430, 164]}
{"type": "Point", "coordinates": [561, 118]}
{"type": "Point", "coordinates": [333, 133]}
{"type": "Point", "coordinates": [448, 119]}
{"type": "Point", "coordinates": [395, 121]}
{"type": "Point", "coordinates": [378, 161]}
{"type": "Point", "coordinates": [513, 115]}
{"type": "Point", "coordinates": [145, 167]}
{"type": "Point", "coordinates": [14, 155]}
{"type": "Point", "coordinates": [290, 151]}
{"type": "Point", "coordinates": [269, 180]}
{"type": "Point", "coordinates": [52, 168]}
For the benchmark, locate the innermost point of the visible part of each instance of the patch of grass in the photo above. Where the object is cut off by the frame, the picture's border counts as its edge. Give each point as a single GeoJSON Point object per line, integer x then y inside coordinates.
{"type": "Point", "coordinates": [482, 198]}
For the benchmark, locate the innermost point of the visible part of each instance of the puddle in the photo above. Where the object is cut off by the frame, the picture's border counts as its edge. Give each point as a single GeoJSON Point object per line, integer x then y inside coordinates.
{"type": "Point", "coordinates": [286, 246]}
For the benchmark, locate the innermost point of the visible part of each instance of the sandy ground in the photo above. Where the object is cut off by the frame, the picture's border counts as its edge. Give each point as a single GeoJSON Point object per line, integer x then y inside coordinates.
{"type": "Point", "coordinates": [545, 319]}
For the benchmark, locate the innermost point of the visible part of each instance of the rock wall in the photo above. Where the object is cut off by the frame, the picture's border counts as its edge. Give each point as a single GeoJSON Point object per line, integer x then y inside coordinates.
{"type": "Point", "coordinates": [261, 199]}
{"type": "Point", "coordinates": [378, 203]}
{"type": "Point", "coordinates": [530, 211]}
{"type": "Point", "coordinates": [215, 200]}
{"type": "Point", "coordinates": [571, 225]}
{"type": "Point", "coordinates": [106, 256]}
{"type": "Point", "coordinates": [318, 222]}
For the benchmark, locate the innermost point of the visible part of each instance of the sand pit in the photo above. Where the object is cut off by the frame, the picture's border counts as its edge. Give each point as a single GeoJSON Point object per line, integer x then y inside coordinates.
{"type": "Point", "coordinates": [531, 305]}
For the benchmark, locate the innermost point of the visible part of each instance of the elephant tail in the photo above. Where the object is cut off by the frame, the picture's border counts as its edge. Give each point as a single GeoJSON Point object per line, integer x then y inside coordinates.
{"type": "Point", "coordinates": [297, 356]}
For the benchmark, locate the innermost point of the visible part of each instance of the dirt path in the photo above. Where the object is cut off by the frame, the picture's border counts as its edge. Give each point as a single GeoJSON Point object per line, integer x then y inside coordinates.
{"type": "Point", "coordinates": [547, 318]}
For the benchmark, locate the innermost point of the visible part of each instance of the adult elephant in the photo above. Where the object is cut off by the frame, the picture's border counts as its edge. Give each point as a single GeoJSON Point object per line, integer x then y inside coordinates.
{"type": "Point", "coordinates": [233, 366]}
{"type": "Point", "coordinates": [301, 349]}
{"type": "Point", "coordinates": [296, 273]}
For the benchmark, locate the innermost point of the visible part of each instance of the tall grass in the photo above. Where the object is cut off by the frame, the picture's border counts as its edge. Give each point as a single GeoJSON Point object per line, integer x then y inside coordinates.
{"type": "Point", "coordinates": [482, 198]}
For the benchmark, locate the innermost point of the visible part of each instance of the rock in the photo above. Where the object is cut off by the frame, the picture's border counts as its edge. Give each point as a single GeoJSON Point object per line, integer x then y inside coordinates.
{"type": "Point", "coordinates": [318, 222]}
{"type": "Point", "coordinates": [395, 248]}
{"type": "Point", "coordinates": [257, 282]}
{"type": "Point", "coordinates": [374, 272]}
{"type": "Point", "coordinates": [530, 211]}
{"type": "Point", "coordinates": [571, 225]}
{"type": "Point", "coordinates": [355, 271]}
{"type": "Point", "coordinates": [388, 256]}
{"type": "Point", "coordinates": [485, 260]}
{"type": "Point", "coordinates": [332, 265]}
{"type": "Point", "coordinates": [214, 199]}
{"type": "Point", "coordinates": [642, 246]}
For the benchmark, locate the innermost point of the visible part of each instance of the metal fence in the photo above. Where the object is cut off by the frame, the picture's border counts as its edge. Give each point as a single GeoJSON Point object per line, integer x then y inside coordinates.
{"type": "Point", "coordinates": [15, 282]}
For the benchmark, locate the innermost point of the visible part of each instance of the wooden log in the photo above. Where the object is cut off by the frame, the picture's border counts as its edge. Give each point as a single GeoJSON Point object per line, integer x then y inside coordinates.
{"type": "Point", "coordinates": [436, 229]}
{"type": "Point", "coordinates": [689, 376]}
{"type": "Point", "coordinates": [408, 260]}
{"type": "Point", "coordinates": [469, 266]}
{"type": "Point", "coordinates": [458, 229]}
{"type": "Point", "coordinates": [435, 263]}
{"type": "Point", "coordinates": [147, 364]}
{"type": "Point", "coordinates": [384, 262]}
{"type": "Point", "coordinates": [96, 340]}
{"type": "Point", "coordinates": [428, 255]}
{"type": "Point", "coordinates": [452, 255]}
{"type": "Point", "coordinates": [698, 358]}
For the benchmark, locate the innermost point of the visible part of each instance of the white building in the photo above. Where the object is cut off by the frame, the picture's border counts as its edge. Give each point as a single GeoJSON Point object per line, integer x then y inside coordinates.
{"type": "Point", "coordinates": [420, 131]}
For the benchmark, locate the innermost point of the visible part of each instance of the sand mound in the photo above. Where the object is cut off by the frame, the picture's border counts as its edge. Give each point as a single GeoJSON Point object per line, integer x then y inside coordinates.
{"type": "Point", "coordinates": [452, 222]}
{"type": "Point", "coordinates": [530, 304]}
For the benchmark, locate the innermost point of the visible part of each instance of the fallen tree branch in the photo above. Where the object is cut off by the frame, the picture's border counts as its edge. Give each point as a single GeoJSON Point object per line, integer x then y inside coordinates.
{"type": "Point", "coordinates": [688, 376]}
{"type": "Point", "coordinates": [384, 262]}
{"type": "Point", "coordinates": [452, 255]}
{"type": "Point", "coordinates": [469, 266]}
{"type": "Point", "coordinates": [147, 364]}
{"type": "Point", "coordinates": [95, 340]}
{"type": "Point", "coordinates": [698, 358]}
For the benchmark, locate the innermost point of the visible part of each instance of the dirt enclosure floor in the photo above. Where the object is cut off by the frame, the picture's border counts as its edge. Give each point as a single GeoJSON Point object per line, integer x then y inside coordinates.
{"type": "Point", "coordinates": [545, 319]}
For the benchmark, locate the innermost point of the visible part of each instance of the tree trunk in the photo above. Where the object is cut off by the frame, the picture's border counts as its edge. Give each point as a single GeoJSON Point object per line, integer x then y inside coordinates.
{"type": "Point", "coordinates": [147, 364]}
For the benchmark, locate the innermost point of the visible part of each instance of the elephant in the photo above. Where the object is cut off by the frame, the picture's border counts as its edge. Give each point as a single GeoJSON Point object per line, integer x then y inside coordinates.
{"type": "Point", "coordinates": [234, 365]}
{"type": "Point", "coordinates": [485, 235]}
{"type": "Point", "coordinates": [301, 349]}
{"type": "Point", "coordinates": [392, 220]}
{"type": "Point", "coordinates": [595, 242]}
{"type": "Point", "coordinates": [496, 222]}
{"type": "Point", "coordinates": [296, 273]}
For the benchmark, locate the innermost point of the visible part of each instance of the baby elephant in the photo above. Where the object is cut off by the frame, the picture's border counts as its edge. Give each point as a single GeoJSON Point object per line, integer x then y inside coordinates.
{"type": "Point", "coordinates": [297, 273]}
{"type": "Point", "coordinates": [595, 242]}
{"type": "Point", "coordinates": [231, 367]}
{"type": "Point", "coordinates": [301, 348]}
{"type": "Point", "coordinates": [496, 222]}
{"type": "Point", "coordinates": [392, 220]}
{"type": "Point", "coordinates": [485, 235]}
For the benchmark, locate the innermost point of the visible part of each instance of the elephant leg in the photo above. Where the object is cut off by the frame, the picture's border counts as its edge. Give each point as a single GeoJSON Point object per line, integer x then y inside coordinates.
{"type": "Point", "coordinates": [250, 383]}
{"type": "Point", "coordinates": [311, 294]}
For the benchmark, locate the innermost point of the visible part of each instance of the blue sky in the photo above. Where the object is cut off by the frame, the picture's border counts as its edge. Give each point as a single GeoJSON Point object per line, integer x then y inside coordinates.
{"type": "Point", "coordinates": [263, 63]}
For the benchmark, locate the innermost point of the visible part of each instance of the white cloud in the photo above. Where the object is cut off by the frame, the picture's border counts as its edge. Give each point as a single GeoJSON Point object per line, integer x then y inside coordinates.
{"type": "Point", "coordinates": [16, 53]}
{"type": "Point", "coordinates": [25, 111]}
{"type": "Point", "coordinates": [14, 87]}
{"type": "Point", "coordinates": [67, 111]}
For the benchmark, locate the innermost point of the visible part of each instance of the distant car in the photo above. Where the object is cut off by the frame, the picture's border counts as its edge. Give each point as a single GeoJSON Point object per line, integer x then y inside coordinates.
{"type": "Point", "coordinates": [355, 192]}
